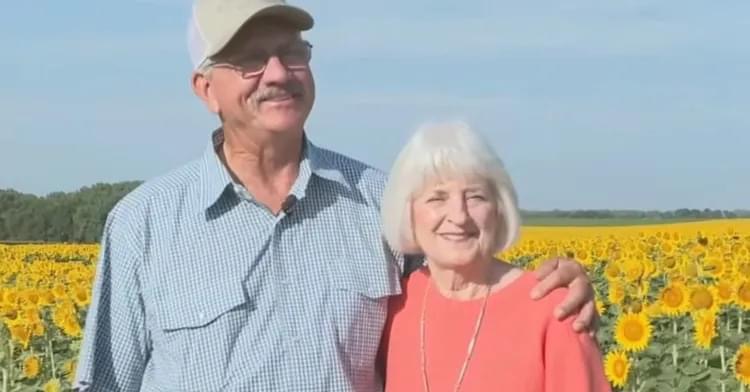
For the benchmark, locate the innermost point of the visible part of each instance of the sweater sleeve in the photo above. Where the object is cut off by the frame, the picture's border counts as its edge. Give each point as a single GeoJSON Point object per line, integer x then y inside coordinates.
{"type": "Point", "coordinates": [572, 361]}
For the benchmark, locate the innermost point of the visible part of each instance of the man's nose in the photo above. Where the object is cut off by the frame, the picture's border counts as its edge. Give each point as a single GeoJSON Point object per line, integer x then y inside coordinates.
{"type": "Point", "coordinates": [276, 71]}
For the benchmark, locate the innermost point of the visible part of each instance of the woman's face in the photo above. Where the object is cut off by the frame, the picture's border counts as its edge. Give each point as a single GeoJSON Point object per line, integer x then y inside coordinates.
{"type": "Point", "coordinates": [455, 222]}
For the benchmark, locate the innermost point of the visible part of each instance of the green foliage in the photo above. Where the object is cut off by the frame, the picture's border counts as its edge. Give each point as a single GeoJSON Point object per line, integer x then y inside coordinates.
{"type": "Point", "coordinates": [59, 217]}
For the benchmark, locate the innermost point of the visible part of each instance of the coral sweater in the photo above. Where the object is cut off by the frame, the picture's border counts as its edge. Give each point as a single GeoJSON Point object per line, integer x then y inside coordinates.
{"type": "Point", "coordinates": [520, 347]}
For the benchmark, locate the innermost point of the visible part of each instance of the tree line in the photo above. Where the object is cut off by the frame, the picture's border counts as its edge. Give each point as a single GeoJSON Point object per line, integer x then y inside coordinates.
{"type": "Point", "coordinates": [79, 216]}
{"type": "Point", "coordinates": [59, 217]}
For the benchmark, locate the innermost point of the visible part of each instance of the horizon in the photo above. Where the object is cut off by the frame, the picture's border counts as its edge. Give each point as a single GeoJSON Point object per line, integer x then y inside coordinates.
{"type": "Point", "coordinates": [639, 106]}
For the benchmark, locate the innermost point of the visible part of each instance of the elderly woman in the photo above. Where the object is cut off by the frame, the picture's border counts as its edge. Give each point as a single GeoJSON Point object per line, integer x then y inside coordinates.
{"type": "Point", "coordinates": [465, 321]}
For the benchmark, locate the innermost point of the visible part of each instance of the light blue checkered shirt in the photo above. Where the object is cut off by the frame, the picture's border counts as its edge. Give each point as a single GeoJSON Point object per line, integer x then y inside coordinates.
{"type": "Point", "coordinates": [200, 288]}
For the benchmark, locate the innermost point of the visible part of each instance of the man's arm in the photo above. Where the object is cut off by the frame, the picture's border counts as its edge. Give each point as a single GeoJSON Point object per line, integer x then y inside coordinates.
{"type": "Point", "coordinates": [115, 346]}
{"type": "Point", "coordinates": [561, 272]}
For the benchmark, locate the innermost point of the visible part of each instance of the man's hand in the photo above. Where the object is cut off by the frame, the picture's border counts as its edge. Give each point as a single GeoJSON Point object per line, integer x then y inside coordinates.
{"type": "Point", "coordinates": [561, 272]}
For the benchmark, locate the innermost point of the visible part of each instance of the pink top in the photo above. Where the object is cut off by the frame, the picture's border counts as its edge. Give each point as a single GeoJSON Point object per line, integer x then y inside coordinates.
{"type": "Point", "coordinates": [521, 347]}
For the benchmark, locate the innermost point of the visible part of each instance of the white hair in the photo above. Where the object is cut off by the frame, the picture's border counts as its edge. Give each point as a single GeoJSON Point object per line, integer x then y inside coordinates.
{"type": "Point", "coordinates": [444, 151]}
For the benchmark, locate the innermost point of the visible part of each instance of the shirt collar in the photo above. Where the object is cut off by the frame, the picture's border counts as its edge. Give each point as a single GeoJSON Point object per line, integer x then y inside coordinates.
{"type": "Point", "coordinates": [215, 177]}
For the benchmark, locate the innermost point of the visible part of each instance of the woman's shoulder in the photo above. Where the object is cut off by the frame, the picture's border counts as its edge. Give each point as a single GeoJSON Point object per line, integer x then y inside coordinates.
{"type": "Point", "coordinates": [520, 294]}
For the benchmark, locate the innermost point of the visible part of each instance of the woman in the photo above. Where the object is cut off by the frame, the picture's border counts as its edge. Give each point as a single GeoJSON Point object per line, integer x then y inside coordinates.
{"type": "Point", "coordinates": [465, 321]}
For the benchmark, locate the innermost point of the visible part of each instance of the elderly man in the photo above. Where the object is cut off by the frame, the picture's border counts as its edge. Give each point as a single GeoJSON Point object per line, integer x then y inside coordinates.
{"type": "Point", "coordinates": [261, 265]}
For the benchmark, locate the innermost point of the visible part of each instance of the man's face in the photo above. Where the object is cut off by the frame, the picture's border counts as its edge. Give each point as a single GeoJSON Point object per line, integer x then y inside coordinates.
{"type": "Point", "coordinates": [262, 79]}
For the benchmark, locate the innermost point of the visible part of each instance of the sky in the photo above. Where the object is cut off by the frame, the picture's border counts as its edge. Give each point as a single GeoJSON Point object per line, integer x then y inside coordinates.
{"type": "Point", "coordinates": [590, 104]}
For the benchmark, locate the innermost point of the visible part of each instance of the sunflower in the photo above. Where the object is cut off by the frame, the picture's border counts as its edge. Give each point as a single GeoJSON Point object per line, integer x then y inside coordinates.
{"type": "Point", "coordinates": [691, 269]}
{"type": "Point", "coordinates": [741, 364]}
{"type": "Point", "coordinates": [724, 292]}
{"type": "Point", "coordinates": [743, 295]}
{"type": "Point", "coordinates": [600, 306]}
{"type": "Point", "coordinates": [633, 269]}
{"type": "Point", "coordinates": [705, 329]}
{"type": "Point", "coordinates": [617, 368]}
{"type": "Point", "coordinates": [70, 369]}
{"type": "Point", "coordinates": [669, 262]}
{"type": "Point", "coordinates": [713, 266]}
{"type": "Point", "coordinates": [702, 298]}
{"type": "Point", "coordinates": [611, 272]}
{"type": "Point", "coordinates": [743, 269]}
{"type": "Point", "coordinates": [31, 367]}
{"type": "Point", "coordinates": [653, 310]}
{"type": "Point", "coordinates": [674, 299]}
{"type": "Point", "coordinates": [616, 292]}
{"type": "Point", "coordinates": [52, 385]}
{"type": "Point", "coordinates": [633, 331]}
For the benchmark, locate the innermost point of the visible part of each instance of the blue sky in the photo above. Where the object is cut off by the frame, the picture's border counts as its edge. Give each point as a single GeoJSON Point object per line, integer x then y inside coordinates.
{"type": "Point", "coordinates": [591, 104]}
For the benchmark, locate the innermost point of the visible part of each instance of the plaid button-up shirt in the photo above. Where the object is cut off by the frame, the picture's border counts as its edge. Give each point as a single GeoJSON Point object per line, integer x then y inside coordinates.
{"type": "Point", "coordinates": [200, 288]}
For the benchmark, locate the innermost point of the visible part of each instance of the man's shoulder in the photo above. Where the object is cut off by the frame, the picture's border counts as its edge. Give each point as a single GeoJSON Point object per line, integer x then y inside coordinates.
{"type": "Point", "coordinates": [155, 196]}
{"type": "Point", "coordinates": [354, 170]}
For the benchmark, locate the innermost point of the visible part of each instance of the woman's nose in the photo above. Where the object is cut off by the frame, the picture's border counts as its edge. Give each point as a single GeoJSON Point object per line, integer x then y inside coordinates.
{"type": "Point", "coordinates": [457, 212]}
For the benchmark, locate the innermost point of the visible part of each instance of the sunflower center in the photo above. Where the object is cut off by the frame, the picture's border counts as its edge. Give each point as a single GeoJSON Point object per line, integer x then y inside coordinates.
{"type": "Point", "coordinates": [725, 291]}
{"type": "Point", "coordinates": [701, 299]}
{"type": "Point", "coordinates": [744, 292]}
{"type": "Point", "coordinates": [673, 297]}
{"type": "Point", "coordinates": [619, 366]}
{"type": "Point", "coordinates": [633, 331]}
{"type": "Point", "coordinates": [743, 366]}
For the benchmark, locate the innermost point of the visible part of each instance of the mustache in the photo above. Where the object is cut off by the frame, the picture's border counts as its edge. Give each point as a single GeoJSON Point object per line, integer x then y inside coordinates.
{"type": "Point", "coordinates": [292, 88]}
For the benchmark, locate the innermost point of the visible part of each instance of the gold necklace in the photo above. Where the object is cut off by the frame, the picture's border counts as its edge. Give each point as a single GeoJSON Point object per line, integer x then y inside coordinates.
{"type": "Point", "coordinates": [469, 351]}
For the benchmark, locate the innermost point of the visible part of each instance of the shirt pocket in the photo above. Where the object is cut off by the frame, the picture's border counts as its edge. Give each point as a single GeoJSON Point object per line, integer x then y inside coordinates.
{"type": "Point", "coordinates": [358, 308]}
{"type": "Point", "coordinates": [197, 334]}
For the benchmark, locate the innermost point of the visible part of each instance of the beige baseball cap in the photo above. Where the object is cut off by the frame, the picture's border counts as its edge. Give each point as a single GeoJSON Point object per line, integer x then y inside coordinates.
{"type": "Point", "coordinates": [215, 22]}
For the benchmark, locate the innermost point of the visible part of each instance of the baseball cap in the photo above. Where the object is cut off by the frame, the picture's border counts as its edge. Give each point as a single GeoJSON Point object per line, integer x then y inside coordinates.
{"type": "Point", "coordinates": [215, 22]}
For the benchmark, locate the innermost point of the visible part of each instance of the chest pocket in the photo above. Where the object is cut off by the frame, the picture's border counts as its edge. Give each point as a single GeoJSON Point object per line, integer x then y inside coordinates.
{"type": "Point", "coordinates": [361, 286]}
{"type": "Point", "coordinates": [197, 330]}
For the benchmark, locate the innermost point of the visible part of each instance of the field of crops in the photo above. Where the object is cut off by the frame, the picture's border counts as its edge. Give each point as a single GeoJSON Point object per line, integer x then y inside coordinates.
{"type": "Point", "coordinates": [674, 300]}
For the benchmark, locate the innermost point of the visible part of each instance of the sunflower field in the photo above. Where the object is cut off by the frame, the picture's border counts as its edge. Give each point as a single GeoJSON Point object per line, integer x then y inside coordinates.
{"type": "Point", "coordinates": [44, 293]}
{"type": "Point", "coordinates": [674, 301]}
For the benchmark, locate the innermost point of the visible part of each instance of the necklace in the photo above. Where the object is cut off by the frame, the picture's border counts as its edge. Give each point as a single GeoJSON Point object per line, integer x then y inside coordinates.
{"type": "Point", "coordinates": [469, 351]}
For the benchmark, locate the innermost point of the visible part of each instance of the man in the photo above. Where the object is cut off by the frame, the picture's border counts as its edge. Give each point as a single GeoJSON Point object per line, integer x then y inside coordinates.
{"type": "Point", "coordinates": [259, 266]}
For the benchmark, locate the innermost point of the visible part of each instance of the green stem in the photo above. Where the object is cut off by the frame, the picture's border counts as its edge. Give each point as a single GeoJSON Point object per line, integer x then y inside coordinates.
{"type": "Point", "coordinates": [723, 359]}
{"type": "Point", "coordinates": [51, 358]}
{"type": "Point", "coordinates": [5, 380]}
{"type": "Point", "coordinates": [739, 323]}
{"type": "Point", "coordinates": [10, 362]}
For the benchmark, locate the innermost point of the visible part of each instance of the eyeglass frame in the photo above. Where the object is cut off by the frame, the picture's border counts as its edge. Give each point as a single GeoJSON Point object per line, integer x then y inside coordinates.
{"type": "Point", "coordinates": [219, 63]}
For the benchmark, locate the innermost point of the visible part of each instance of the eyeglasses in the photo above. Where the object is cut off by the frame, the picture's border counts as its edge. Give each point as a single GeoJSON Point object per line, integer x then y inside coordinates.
{"type": "Point", "coordinates": [252, 63]}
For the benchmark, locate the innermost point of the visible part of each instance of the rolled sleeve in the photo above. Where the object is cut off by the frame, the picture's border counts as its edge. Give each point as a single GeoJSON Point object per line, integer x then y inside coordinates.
{"type": "Point", "coordinates": [115, 348]}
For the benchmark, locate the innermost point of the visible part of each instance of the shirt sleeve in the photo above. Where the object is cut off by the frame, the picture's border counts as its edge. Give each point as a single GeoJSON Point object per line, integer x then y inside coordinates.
{"type": "Point", "coordinates": [115, 346]}
{"type": "Point", "coordinates": [572, 361]}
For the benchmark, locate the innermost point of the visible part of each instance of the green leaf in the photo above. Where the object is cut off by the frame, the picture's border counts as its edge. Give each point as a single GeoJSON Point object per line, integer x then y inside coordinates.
{"type": "Point", "coordinates": [684, 384]}
{"type": "Point", "coordinates": [691, 369]}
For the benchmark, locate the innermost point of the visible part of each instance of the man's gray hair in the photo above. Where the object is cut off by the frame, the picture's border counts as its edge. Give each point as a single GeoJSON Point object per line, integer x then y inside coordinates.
{"type": "Point", "coordinates": [443, 151]}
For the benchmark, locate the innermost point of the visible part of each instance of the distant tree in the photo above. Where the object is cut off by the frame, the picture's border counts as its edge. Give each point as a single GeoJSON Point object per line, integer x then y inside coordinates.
{"type": "Point", "coordinates": [59, 217]}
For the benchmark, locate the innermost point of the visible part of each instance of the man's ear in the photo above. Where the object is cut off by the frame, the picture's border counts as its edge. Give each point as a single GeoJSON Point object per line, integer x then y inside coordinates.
{"type": "Point", "coordinates": [202, 88]}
